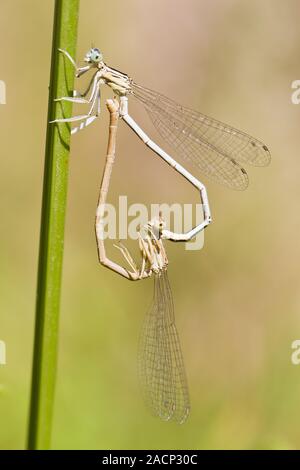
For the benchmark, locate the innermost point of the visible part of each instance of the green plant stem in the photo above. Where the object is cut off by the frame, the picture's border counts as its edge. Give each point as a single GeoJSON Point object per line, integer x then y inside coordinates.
{"type": "Point", "coordinates": [52, 229]}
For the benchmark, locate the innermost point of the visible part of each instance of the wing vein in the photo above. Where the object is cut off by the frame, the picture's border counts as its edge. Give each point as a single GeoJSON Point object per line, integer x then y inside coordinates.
{"type": "Point", "coordinates": [217, 149]}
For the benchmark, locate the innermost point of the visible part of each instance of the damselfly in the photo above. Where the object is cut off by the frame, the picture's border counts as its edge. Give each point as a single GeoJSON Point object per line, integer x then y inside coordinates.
{"type": "Point", "coordinates": [218, 150]}
{"type": "Point", "coordinates": [160, 362]}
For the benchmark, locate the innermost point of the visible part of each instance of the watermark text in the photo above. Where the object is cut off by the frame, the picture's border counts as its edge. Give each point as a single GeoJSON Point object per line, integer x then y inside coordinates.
{"type": "Point", "coordinates": [2, 92]}
{"type": "Point", "coordinates": [126, 221]}
{"type": "Point", "coordinates": [295, 97]}
{"type": "Point", "coordinates": [2, 353]}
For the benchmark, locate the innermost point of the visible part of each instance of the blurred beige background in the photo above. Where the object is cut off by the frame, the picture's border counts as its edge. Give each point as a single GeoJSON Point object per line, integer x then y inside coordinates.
{"type": "Point", "coordinates": [237, 301]}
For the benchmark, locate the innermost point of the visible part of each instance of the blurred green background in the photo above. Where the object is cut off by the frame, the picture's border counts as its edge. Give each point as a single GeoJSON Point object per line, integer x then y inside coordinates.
{"type": "Point", "coordinates": [237, 301]}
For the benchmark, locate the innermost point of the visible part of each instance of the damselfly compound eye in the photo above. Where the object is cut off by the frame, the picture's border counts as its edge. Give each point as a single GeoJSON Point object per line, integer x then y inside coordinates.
{"type": "Point", "coordinates": [94, 55]}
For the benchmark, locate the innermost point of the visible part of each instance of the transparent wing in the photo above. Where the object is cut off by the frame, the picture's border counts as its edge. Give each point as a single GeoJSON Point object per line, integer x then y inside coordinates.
{"type": "Point", "coordinates": [160, 363]}
{"type": "Point", "coordinates": [218, 150]}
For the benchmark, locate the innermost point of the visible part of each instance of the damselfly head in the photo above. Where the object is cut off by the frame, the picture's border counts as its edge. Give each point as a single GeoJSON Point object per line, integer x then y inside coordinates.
{"type": "Point", "coordinates": [155, 226]}
{"type": "Point", "coordinates": [93, 56]}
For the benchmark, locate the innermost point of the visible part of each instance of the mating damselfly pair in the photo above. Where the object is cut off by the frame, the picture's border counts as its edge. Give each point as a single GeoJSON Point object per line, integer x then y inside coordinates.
{"type": "Point", "coordinates": [219, 151]}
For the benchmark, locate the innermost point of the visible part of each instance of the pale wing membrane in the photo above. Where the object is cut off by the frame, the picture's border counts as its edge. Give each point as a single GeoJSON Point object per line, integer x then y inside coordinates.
{"type": "Point", "coordinates": [215, 148]}
{"type": "Point", "coordinates": [160, 362]}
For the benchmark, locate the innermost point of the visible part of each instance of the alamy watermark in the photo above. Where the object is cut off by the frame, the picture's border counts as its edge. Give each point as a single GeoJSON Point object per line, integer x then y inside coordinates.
{"type": "Point", "coordinates": [295, 97]}
{"type": "Point", "coordinates": [2, 353]}
{"type": "Point", "coordinates": [295, 356]}
{"type": "Point", "coordinates": [125, 221]}
{"type": "Point", "coordinates": [2, 92]}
